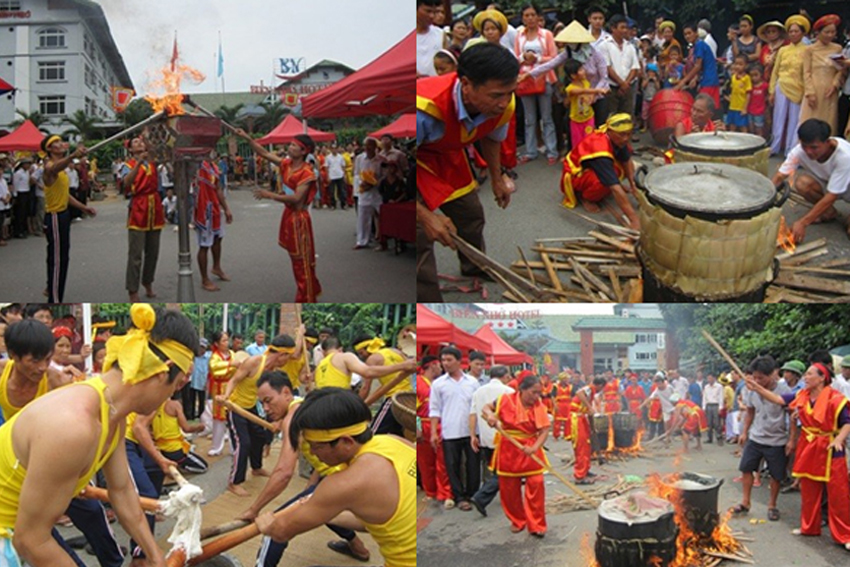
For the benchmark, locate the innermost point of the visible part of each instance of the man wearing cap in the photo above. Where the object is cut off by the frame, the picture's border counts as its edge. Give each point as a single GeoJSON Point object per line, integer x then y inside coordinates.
{"type": "Point", "coordinates": [598, 167]}
{"type": "Point", "coordinates": [792, 372]}
{"type": "Point", "coordinates": [57, 218]}
{"type": "Point", "coordinates": [367, 175]}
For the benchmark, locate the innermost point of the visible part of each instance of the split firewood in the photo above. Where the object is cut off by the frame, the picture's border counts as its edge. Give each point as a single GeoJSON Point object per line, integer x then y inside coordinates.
{"type": "Point", "coordinates": [553, 276]}
{"type": "Point", "coordinates": [629, 248]}
{"type": "Point", "coordinates": [802, 248]}
{"type": "Point", "coordinates": [798, 259]}
{"type": "Point", "coordinates": [729, 557]}
{"type": "Point", "coordinates": [600, 285]}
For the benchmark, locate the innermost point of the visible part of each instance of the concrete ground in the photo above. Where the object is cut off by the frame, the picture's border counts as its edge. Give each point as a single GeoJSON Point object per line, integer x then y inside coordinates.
{"type": "Point", "coordinates": [535, 212]}
{"type": "Point", "coordinates": [260, 270]}
{"type": "Point", "coordinates": [466, 538]}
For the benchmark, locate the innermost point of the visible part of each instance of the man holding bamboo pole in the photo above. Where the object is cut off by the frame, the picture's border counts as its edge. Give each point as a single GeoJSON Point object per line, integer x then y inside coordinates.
{"type": "Point", "coordinates": [375, 352]}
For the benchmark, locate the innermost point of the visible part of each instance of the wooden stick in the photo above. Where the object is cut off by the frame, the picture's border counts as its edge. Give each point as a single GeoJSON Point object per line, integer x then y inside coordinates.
{"type": "Point", "coordinates": [175, 474]}
{"type": "Point", "coordinates": [527, 267]}
{"type": "Point", "coordinates": [813, 283]}
{"type": "Point", "coordinates": [798, 259]}
{"type": "Point", "coordinates": [630, 232]}
{"type": "Point", "coordinates": [815, 270]}
{"type": "Point", "coordinates": [722, 352]}
{"type": "Point", "coordinates": [376, 395]}
{"type": "Point", "coordinates": [506, 284]}
{"type": "Point", "coordinates": [615, 284]}
{"type": "Point", "coordinates": [629, 248]}
{"type": "Point", "coordinates": [587, 239]}
{"type": "Point", "coordinates": [728, 556]}
{"type": "Point", "coordinates": [249, 416]}
{"type": "Point", "coordinates": [130, 130]}
{"type": "Point", "coordinates": [553, 277]}
{"type": "Point", "coordinates": [802, 248]}
{"type": "Point", "coordinates": [224, 528]}
{"type": "Point", "coordinates": [606, 291]}
{"type": "Point", "coordinates": [593, 253]}
{"type": "Point", "coordinates": [96, 493]}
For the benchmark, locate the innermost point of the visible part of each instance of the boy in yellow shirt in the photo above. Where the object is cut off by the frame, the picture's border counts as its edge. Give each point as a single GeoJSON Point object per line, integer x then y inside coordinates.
{"type": "Point", "coordinates": [739, 97]}
{"type": "Point", "coordinates": [579, 98]}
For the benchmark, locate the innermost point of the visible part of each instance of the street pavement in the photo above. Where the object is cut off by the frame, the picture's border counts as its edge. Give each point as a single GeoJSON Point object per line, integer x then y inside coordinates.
{"type": "Point", "coordinates": [260, 270]}
{"type": "Point", "coordinates": [535, 212]}
{"type": "Point", "coordinates": [466, 538]}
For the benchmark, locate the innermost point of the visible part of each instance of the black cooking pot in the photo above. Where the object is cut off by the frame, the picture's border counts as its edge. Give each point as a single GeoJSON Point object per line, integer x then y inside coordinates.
{"type": "Point", "coordinates": [699, 500]}
{"type": "Point", "coordinates": [623, 544]}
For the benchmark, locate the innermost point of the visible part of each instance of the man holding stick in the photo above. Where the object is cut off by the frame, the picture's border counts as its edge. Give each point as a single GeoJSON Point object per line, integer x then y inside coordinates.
{"type": "Point", "coordinates": [336, 368]}
{"type": "Point", "coordinates": [375, 352]}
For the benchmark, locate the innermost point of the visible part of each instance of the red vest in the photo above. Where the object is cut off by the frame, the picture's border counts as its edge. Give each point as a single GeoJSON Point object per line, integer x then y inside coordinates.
{"type": "Point", "coordinates": [695, 419]}
{"type": "Point", "coordinates": [596, 145]}
{"type": "Point", "coordinates": [635, 395]}
{"type": "Point", "coordinates": [524, 424]}
{"type": "Point", "coordinates": [656, 413]}
{"type": "Point", "coordinates": [445, 159]}
{"type": "Point", "coordinates": [423, 396]}
{"type": "Point", "coordinates": [578, 406]}
{"type": "Point", "coordinates": [611, 396]}
{"type": "Point", "coordinates": [820, 426]}
{"type": "Point", "coordinates": [146, 211]}
{"type": "Point", "coordinates": [563, 401]}
{"type": "Point", "coordinates": [207, 207]}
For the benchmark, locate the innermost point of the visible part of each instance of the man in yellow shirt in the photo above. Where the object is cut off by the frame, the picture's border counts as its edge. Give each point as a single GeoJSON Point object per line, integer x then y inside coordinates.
{"type": "Point", "coordinates": [376, 492]}
{"type": "Point", "coordinates": [336, 367]}
{"type": "Point", "coordinates": [374, 352]}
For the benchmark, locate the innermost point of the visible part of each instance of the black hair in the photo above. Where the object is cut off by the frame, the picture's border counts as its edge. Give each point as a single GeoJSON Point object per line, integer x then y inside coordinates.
{"type": "Point", "coordinates": [744, 57]}
{"type": "Point", "coordinates": [97, 347]}
{"type": "Point", "coordinates": [426, 360]}
{"type": "Point", "coordinates": [527, 6]}
{"type": "Point", "coordinates": [330, 343]}
{"type": "Point", "coordinates": [329, 408]}
{"type": "Point", "coordinates": [443, 54]}
{"type": "Point", "coordinates": [307, 141]}
{"type": "Point", "coordinates": [171, 324]}
{"type": "Point", "coordinates": [428, 3]}
{"type": "Point", "coordinates": [451, 351]}
{"type": "Point", "coordinates": [764, 364]}
{"type": "Point", "coordinates": [475, 355]}
{"type": "Point", "coordinates": [276, 379]}
{"type": "Point", "coordinates": [571, 67]}
{"type": "Point", "coordinates": [487, 62]}
{"type": "Point", "coordinates": [283, 340]}
{"type": "Point", "coordinates": [616, 20]}
{"type": "Point", "coordinates": [362, 337]}
{"type": "Point", "coordinates": [311, 332]}
{"type": "Point", "coordinates": [821, 356]}
{"type": "Point", "coordinates": [216, 336]}
{"type": "Point", "coordinates": [456, 22]}
{"type": "Point", "coordinates": [813, 130]}
{"type": "Point", "coordinates": [690, 26]}
{"type": "Point", "coordinates": [599, 381]}
{"type": "Point", "coordinates": [235, 336]}
{"type": "Point", "coordinates": [528, 382]}
{"type": "Point", "coordinates": [11, 308]}
{"type": "Point", "coordinates": [34, 308]}
{"type": "Point", "coordinates": [498, 371]}
{"type": "Point", "coordinates": [757, 67]}
{"type": "Point", "coordinates": [327, 330]}
{"type": "Point", "coordinates": [594, 10]}
{"type": "Point", "coordinates": [29, 336]}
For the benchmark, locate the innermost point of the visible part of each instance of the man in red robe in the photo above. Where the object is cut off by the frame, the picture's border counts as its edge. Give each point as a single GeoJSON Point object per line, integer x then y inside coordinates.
{"type": "Point", "coordinates": [432, 465]}
{"type": "Point", "coordinates": [582, 407]}
{"type": "Point", "coordinates": [600, 166]}
{"type": "Point", "coordinates": [690, 418]}
{"type": "Point", "coordinates": [453, 111]}
{"type": "Point", "coordinates": [563, 395]}
{"type": "Point", "coordinates": [209, 202]}
{"type": "Point", "coordinates": [611, 396]}
{"type": "Point", "coordinates": [634, 395]}
{"type": "Point", "coordinates": [523, 416]}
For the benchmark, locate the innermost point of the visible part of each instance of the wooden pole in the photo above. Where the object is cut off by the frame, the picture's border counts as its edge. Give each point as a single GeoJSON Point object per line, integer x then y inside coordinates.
{"type": "Point", "coordinates": [95, 493]}
{"type": "Point", "coordinates": [374, 396]}
{"type": "Point", "coordinates": [224, 528]}
{"type": "Point", "coordinates": [249, 416]}
{"type": "Point", "coordinates": [722, 352]}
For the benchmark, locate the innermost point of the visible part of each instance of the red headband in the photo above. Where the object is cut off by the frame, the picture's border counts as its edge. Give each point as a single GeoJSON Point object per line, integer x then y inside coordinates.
{"type": "Point", "coordinates": [824, 370]}
{"type": "Point", "coordinates": [61, 331]}
{"type": "Point", "coordinates": [301, 144]}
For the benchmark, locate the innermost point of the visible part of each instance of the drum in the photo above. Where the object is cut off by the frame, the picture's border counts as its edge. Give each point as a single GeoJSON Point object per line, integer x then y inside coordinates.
{"type": "Point", "coordinates": [404, 409]}
{"type": "Point", "coordinates": [668, 108]}
{"type": "Point", "coordinates": [735, 148]}
{"type": "Point", "coordinates": [708, 233]}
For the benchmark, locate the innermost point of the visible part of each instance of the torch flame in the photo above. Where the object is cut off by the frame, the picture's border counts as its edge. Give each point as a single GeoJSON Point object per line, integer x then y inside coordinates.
{"type": "Point", "coordinates": [167, 96]}
{"type": "Point", "coordinates": [785, 238]}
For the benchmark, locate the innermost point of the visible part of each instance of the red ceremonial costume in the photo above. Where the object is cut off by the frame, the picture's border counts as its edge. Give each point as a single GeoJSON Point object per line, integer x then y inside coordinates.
{"type": "Point", "coordinates": [146, 211]}
{"type": "Point", "coordinates": [656, 412]}
{"type": "Point", "coordinates": [207, 207]}
{"type": "Point", "coordinates": [443, 172]}
{"type": "Point", "coordinates": [611, 396]}
{"type": "Point", "coordinates": [512, 465]}
{"type": "Point", "coordinates": [816, 466]}
{"type": "Point", "coordinates": [695, 420]}
{"type": "Point", "coordinates": [580, 433]}
{"type": "Point", "coordinates": [432, 465]}
{"type": "Point", "coordinates": [548, 388]}
{"type": "Point", "coordinates": [563, 395]}
{"type": "Point", "coordinates": [296, 233]}
{"type": "Point", "coordinates": [635, 396]}
{"type": "Point", "coordinates": [577, 179]}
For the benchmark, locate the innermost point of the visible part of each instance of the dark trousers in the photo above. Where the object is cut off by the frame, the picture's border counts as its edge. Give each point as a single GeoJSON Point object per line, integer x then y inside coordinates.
{"type": "Point", "coordinates": [454, 450]}
{"type": "Point", "coordinates": [89, 516]}
{"type": "Point", "coordinates": [148, 478]}
{"type": "Point", "coordinates": [843, 114]}
{"type": "Point", "coordinates": [336, 192]}
{"type": "Point", "coordinates": [198, 399]}
{"type": "Point", "coordinates": [24, 205]}
{"type": "Point", "coordinates": [385, 422]}
{"type": "Point", "coordinates": [467, 214]}
{"type": "Point", "coordinates": [656, 428]}
{"type": "Point", "coordinates": [186, 400]}
{"type": "Point", "coordinates": [271, 551]}
{"type": "Point", "coordinates": [187, 462]}
{"type": "Point", "coordinates": [600, 111]}
{"type": "Point", "coordinates": [715, 425]}
{"type": "Point", "coordinates": [57, 227]}
{"type": "Point", "coordinates": [141, 243]}
{"type": "Point", "coordinates": [617, 104]}
{"type": "Point", "coordinates": [246, 442]}
{"type": "Point", "coordinates": [490, 488]}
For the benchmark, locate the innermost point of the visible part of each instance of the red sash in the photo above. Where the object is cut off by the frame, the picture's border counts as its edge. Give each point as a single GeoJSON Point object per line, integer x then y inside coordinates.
{"type": "Point", "coordinates": [596, 145]}
{"type": "Point", "coordinates": [146, 211]}
{"type": "Point", "coordinates": [524, 424]}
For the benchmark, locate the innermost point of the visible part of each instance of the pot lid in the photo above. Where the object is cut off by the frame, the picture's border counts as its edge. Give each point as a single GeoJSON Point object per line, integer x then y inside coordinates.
{"type": "Point", "coordinates": [635, 508]}
{"type": "Point", "coordinates": [710, 188]}
{"type": "Point", "coordinates": [690, 481]}
{"type": "Point", "coordinates": [732, 142]}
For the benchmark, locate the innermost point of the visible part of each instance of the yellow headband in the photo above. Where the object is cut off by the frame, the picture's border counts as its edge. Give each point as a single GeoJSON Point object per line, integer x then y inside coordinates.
{"type": "Point", "coordinates": [372, 345]}
{"type": "Point", "coordinates": [327, 435]}
{"type": "Point", "coordinates": [621, 122]}
{"type": "Point", "coordinates": [104, 325]}
{"type": "Point", "coordinates": [287, 350]}
{"type": "Point", "coordinates": [51, 139]}
{"type": "Point", "coordinates": [137, 361]}
{"type": "Point", "coordinates": [311, 340]}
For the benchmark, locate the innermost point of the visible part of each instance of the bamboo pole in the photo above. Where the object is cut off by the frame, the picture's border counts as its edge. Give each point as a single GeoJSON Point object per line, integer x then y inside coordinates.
{"type": "Point", "coordinates": [249, 416]}
{"type": "Point", "coordinates": [130, 130]}
{"type": "Point", "coordinates": [722, 352]}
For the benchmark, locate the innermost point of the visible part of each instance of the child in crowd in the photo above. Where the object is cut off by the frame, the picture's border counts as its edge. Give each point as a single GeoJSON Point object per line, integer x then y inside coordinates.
{"type": "Point", "coordinates": [651, 84]}
{"type": "Point", "coordinates": [580, 98]}
{"type": "Point", "coordinates": [170, 206]}
{"type": "Point", "coordinates": [739, 97]}
{"type": "Point", "coordinates": [445, 62]}
{"type": "Point", "coordinates": [675, 70]}
{"type": "Point", "coordinates": [758, 100]}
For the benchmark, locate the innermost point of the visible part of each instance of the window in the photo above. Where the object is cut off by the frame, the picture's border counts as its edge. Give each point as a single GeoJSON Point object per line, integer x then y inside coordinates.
{"type": "Point", "coordinates": [661, 338]}
{"type": "Point", "coordinates": [51, 38]}
{"type": "Point", "coordinates": [51, 105]}
{"type": "Point", "coordinates": [51, 71]}
{"type": "Point", "coordinates": [90, 78]}
{"type": "Point", "coordinates": [10, 5]}
{"type": "Point", "coordinates": [645, 356]}
{"type": "Point", "coordinates": [88, 46]}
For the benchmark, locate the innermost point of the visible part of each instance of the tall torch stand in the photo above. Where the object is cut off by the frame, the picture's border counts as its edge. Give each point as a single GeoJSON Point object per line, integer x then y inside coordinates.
{"type": "Point", "coordinates": [185, 168]}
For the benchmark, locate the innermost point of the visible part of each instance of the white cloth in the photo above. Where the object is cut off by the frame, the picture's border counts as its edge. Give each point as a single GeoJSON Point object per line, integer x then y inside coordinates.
{"type": "Point", "coordinates": [680, 386]}
{"type": "Point", "coordinates": [73, 177]}
{"type": "Point", "coordinates": [450, 402]}
{"type": "Point", "coordinates": [169, 204]}
{"type": "Point", "coordinates": [427, 44]}
{"type": "Point", "coordinates": [362, 163]}
{"type": "Point", "coordinates": [835, 171]}
{"type": "Point", "coordinates": [368, 206]}
{"type": "Point", "coordinates": [621, 58]}
{"type": "Point", "coordinates": [712, 394]}
{"type": "Point", "coordinates": [664, 396]}
{"type": "Point", "coordinates": [4, 194]}
{"type": "Point", "coordinates": [38, 175]}
{"type": "Point", "coordinates": [335, 165]}
{"type": "Point", "coordinates": [509, 38]}
{"type": "Point", "coordinates": [165, 177]}
{"type": "Point", "coordinates": [603, 37]}
{"type": "Point", "coordinates": [841, 384]}
{"type": "Point", "coordinates": [318, 354]}
{"type": "Point", "coordinates": [21, 181]}
{"type": "Point", "coordinates": [484, 396]}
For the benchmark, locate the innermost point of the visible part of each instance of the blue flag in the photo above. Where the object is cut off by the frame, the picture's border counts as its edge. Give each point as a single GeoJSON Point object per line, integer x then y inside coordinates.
{"type": "Point", "coordinates": [220, 60]}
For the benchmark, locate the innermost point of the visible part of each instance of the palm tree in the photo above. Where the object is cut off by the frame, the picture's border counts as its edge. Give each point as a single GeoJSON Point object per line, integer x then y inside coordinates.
{"type": "Point", "coordinates": [85, 126]}
{"type": "Point", "coordinates": [275, 112]}
{"type": "Point", "coordinates": [36, 117]}
{"type": "Point", "coordinates": [228, 113]}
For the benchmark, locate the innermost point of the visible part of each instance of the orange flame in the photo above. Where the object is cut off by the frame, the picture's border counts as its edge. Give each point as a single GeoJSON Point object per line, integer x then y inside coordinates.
{"type": "Point", "coordinates": [587, 552]}
{"type": "Point", "coordinates": [610, 432]}
{"type": "Point", "coordinates": [168, 97]}
{"type": "Point", "coordinates": [785, 238]}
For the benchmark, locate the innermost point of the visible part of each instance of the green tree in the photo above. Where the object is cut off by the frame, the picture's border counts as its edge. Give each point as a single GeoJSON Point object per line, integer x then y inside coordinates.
{"type": "Point", "coordinates": [82, 125]}
{"type": "Point", "coordinates": [228, 113]}
{"type": "Point", "coordinates": [275, 113]}
{"type": "Point", "coordinates": [136, 111]}
{"type": "Point", "coordinates": [36, 117]}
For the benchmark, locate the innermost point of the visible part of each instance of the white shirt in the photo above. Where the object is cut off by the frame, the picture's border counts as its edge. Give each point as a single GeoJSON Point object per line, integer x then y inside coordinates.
{"type": "Point", "coordinates": [712, 394]}
{"type": "Point", "coordinates": [834, 172]}
{"type": "Point", "coordinates": [712, 43]}
{"type": "Point", "coordinates": [603, 36]}
{"type": "Point", "coordinates": [664, 396]}
{"type": "Point", "coordinates": [38, 175]}
{"type": "Point", "coordinates": [4, 194]}
{"type": "Point", "coordinates": [509, 38]}
{"type": "Point", "coordinates": [680, 386]}
{"type": "Point", "coordinates": [335, 165]}
{"type": "Point", "coordinates": [484, 396]}
{"type": "Point", "coordinates": [841, 384]}
{"type": "Point", "coordinates": [622, 58]}
{"type": "Point", "coordinates": [73, 177]}
{"type": "Point", "coordinates": [427, 44]}
{"type": "Point", "coordinates": [450, 402]}
{"type": "Point", "coordinates": [170, 204]}
{"type": "Point", "coordinates": [165, 177]}
{"type": "Point", "coordinates": [21, 181]}
{"type": "Point", "coordinates": [318, 354]}
{"type": "Point", "coordinates": [361, 163]}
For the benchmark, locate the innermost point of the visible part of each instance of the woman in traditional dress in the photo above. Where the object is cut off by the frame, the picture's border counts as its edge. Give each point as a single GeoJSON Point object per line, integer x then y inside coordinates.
{"type": "Point", "coordinates": [786, 85]}
{"type": "Point", "coordinates": [822, 79]}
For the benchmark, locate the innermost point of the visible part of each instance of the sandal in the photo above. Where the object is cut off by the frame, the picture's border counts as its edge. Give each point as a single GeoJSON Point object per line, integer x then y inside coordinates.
{"type": "Point", "coordinates": [343, 547]}
{"type": "Point", "coordinates": [464, 506]}
{"type": "Point", "coordinates": [585, 481]}
{"type": "Point", "coordinates": [739, 510]}
{"type": "Point", "coordinates": [773, 514]}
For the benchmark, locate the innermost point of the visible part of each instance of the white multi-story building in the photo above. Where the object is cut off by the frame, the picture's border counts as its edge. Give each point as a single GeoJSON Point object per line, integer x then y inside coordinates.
{"type": "Point", "coordinates": [60, 56]}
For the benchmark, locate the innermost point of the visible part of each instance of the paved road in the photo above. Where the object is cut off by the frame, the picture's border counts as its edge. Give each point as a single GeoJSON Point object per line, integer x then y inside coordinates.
{"type": "Point", "coordinates": [535, 212]}
{"type": "Point", "coordinates": [259, 268]}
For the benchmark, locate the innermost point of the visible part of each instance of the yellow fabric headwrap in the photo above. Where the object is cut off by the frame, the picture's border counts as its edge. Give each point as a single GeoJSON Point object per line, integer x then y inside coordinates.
{"type": "Point", "coordinates": [372, 345]}
{"type": "Point", "coordinates": [327, 435]}
{"type": "Point", "coordinates": [311, 340]}
{"type": "Point", "coordinates": [287, 350]}
{"type": "Point", "coordinates": [621, 122]}
{"type": "Point", "coordinates": [51, 139]}
{"type": "Point", "coordinates": [137, 361]}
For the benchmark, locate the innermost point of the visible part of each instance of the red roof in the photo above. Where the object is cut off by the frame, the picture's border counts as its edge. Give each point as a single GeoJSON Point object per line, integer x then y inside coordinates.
{"type": "Point", "coordinates": [403, 127]}
{"type": "Point", "coordinates": [286, 131]}
{"type": "Point", "coordinates": [431, 329]}
{"type": "Point", "coordinates": [25, 137]}
{"type": "Point", "coordinates": [503, 353]}
{"type": "Point", "coordinates": [385, 86]}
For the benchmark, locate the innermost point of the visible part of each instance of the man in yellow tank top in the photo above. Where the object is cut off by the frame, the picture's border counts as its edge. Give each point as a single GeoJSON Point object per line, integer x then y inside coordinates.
{"type": "Point", "coordinates": [247, 439]}
{"type": "Point", "coordinates": [57, 218]}
{"type": "Point", "coordinates": [336, 368]}
{"type": "Point", "coordinates": [45, 446]}
{"type": "Point", "coordinates": [375, 352]}
{"type": "Point", "coordinates": [375, 492]}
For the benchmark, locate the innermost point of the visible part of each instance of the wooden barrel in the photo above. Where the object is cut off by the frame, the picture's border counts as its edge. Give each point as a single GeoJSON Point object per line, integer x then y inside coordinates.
{"type": "Point", "coordinates": [668, 108]}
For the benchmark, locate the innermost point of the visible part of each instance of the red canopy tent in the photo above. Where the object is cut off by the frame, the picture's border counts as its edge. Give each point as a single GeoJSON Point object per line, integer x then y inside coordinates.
{"type": "Point", "coordinates": [25, 137]}
{"type": "Point", "coordinates": [286, 131]}
{"type": "Point", "coordinates": [431, 329]}
{"type": "Point", "coordinates": [385, 86]}
{"type": "Point", "coordinates": [403, 127]}
{"type": "Point", "coordinates": [503, 353]}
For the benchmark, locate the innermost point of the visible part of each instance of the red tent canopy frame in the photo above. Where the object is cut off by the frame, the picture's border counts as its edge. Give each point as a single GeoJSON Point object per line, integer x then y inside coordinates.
{"type": "Point", "coordinates": [385, 86]}
{"type": "Point", "coordinates": [290, 127]}
{"type": "Point", "coordinates": [432, 330]}
{"type": "Point", "coordinates": [503, 353]}
{"type": "Point", "coordinates": [403, 127]}
{"type": "Point", "coordinates": [26, 138]}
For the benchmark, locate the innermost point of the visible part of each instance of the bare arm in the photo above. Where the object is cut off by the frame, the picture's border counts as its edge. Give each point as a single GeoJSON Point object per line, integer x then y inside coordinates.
{"type": "Point", "coordinates": [142, 433]}
{"type": "Point", "coordinates": [356, 366]}
{"type": "Point", "coordinates": [293, 199]}
{"type": "Point", "coordinates": [182, 421]}
{"type": "Point", "coordinates": [241, 373]}
{"type": "Point", "coordinates": [258, 149]}
{"type": "Point", "coordinates": [280, 477]}
{"type": "Point", "coordinates": [490, 151]}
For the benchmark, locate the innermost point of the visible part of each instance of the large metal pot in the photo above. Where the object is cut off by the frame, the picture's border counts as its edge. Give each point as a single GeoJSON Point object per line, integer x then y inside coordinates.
{"type": "Point", "coordinates": [700, 495]}
{"type": "Point", "coordinates": [625, 429]}
{"type": "Point", "coordinates": [599, 427]}
{"type": "Point", "coordinates": [622, 542]}
{"type": "Point", "coordinates": [734, 148]}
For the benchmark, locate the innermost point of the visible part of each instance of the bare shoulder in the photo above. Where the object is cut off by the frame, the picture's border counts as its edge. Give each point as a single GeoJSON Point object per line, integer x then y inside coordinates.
{"type": "Point", "coordinates": [65, 421]}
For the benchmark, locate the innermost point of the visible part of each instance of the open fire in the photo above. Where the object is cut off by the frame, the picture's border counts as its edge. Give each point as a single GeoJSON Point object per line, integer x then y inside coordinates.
{"type": "Point", "coordinates": [785, 238]}
{"type": "Point", "coordinates": [165, 91]}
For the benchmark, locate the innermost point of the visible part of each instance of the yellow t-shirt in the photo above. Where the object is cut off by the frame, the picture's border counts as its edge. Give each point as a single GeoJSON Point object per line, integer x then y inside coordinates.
{"type": "Point", "coordinates": [166, 432]}
{"type": "Point", "coordinates": [329, 376]}
{"type": "Point", "coordinates": [293, 370]}
{"type": "Point", "coordinates": [740, 87]}
{"type": "Point", "coordinates": [56, 196]}
{"type": "Point", "coordinates": [245, 393]}
{"type": "Point", "coordinates": [580, 109]}
{"type": "Point", "coordinates": [391, 357]}
{"type": "Point", "coordinates": [5, 405]}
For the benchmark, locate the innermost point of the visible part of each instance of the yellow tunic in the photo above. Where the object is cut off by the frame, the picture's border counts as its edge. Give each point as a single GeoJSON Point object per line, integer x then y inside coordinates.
{"type": "Point", "coordinates": [166, 432]}
{"type": "Point", "coordinates": [56, 196]}
{"type": "Point", "coordinates": [128, 434]}
{"type": "Point", "coordinates": [818, 75]}
{"type": "Point", "coordinates": [293, 370]}
{"type": "Point", "coordinates": [391, 357]}
{"type": "Point", "coordinates": [328, 375]}
{"type": "Point", "coordinates": [788, 72]}
{"type": "Point", "coordinates": [13, 473]}
{"type": "Point", "coordinates": [221, 370]}
{"type": "Point", "coordinates": [245, 393]}
{"type": "Point", "coordinates": [396, 537]}
{"type": "Point", "coordinates": [5, 405]}
{"type": "Point", "coordinates": [319, 466]}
